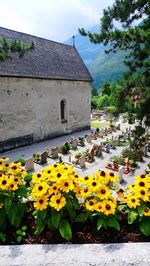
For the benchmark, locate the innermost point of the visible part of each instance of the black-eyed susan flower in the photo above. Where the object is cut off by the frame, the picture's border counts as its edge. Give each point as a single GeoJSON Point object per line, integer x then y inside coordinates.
{"type": "Point", "coordinates": [12, 185]}
{"type": "Point", "coordinates": [86, 192]}
{"type": "Point", "coordinates": [113, 177]}
{"type": "Point", "coordinates": [40, 189]}
{"type": "Point", "coordinates": [57, 202]}
{"type": "Point", "coordinates": [103, 192]}
{"type": "Point", "coordinates": [4, 183]}
{"type": "Point", "coordinates": [133, 201]}
{"type": "Point", "coordinates": [66, 185]}
{"type": "Point", "coordinates": [90, 204]}
{"type": "Point", "coordinates": [99, 206]}
{"type": "Point", "coordinates": [143, 193]}
{"type": "Point", "coordinates": [41, 203]}
{"type": "Point", "coordinates": [108, 207]}
{"type": "Point", "coordinates": [147, 212]}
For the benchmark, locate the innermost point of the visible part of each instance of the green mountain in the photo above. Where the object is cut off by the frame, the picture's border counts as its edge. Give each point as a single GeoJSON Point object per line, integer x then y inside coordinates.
{"type": "Point", "coordinates": [103, 67]}
{"type": "Point", "coordinates": [108, 67]}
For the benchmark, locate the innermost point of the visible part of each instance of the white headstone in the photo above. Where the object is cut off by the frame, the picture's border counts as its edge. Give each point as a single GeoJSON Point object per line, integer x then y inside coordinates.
{"type": "Point", "coordinates": [120, 172]}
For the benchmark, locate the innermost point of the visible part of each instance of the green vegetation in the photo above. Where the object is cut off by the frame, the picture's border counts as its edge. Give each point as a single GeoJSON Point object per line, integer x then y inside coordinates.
{"type": "Point", "coordinates": [97, 124]}
{"type": "Point", "coordinates": [13, 46]}
{"type": "Point", "coordinates": [133, 92]}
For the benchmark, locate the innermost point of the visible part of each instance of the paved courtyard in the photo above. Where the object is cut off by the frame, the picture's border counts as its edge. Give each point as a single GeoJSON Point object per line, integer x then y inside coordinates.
{"type": "Point", "coordinates": [99, 163]}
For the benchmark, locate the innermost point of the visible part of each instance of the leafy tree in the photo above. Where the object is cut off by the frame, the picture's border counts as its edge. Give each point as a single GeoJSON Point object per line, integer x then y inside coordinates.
{"type": "Point", "coordinates": [13, 46]}
{"type": "Point", "coordinates": [136, 40]}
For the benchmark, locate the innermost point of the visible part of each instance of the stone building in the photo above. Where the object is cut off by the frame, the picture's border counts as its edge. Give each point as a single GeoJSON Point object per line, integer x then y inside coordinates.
{"type": "Point", "coordinates": [44, 94]}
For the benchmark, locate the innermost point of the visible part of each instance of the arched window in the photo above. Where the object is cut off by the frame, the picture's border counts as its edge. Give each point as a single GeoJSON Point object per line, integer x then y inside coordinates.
{"type": "Point", "coordinates": [63, 111]}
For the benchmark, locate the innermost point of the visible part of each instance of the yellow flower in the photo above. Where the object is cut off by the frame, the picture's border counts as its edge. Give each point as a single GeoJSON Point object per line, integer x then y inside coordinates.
{"type": "Point", "coordinates": [18, 180]}
{"type": "Point", "coordinates": [57, 202]}
{"type": "Point", "coordinates": [99, 206]}
{"type": "Point", "coordinates": [91, 204]}
{"type": "Point", "coordinates": [85, 192]}
{"type": "Point", "coordinates": [4, 159]}
{"type": "Point", "coordinates": [12, 186]}
{"type": "Point", "coordinates": [41, 203]}
{"type": "Point", "coordinates": [109, 207]}
{"type": "Point", "coordinates": [143, 193]}
{"type": "Point", "coordinates": [133, 201]}
{"type": "Point", "coordinates": [54, 189]}
{"type": "Point", "coordinates": [37, 177]}
{"type": "Point", "coordinates": [4, 183]}
{"type": "Point", "coordinates": [103, 192]}
{"type": "Point", "coordinates": [94, 185]}
{"type": "Point", "coordinates": [142, 183]}
{"type": "Point", "coordinates": [147, 212]}
{"type": "Point", "coordinates": [66, 185]}
{"type": "Point", "coordinates": [113, 177]}
{"type": "Point", "coordinates": [40, 189]}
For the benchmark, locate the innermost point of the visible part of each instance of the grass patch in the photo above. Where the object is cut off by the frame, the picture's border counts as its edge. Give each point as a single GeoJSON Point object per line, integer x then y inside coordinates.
{"type": "Point", "coordinates": [95, 124]}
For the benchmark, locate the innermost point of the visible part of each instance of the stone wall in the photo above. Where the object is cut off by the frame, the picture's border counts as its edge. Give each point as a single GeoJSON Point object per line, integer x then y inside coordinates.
{"type": "Point", "coordinates": [32, 106]}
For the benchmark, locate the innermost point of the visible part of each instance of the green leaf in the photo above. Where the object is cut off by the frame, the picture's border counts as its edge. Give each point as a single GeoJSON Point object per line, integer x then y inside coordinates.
{"type": "Point", "coordinates": [50, 225]}
{"type": "Point", "coordinates": [65, 229]}
{"type": "Point", "coordinates": [82, 217]}
{"type": "Point", "coordinates": [24, 228]}
{"type": "Point", "coordinates": [39, 226]}
{"type": "Point", "coordinates": [121, 207]}
{"type": "Point", "coordinates": [19, 238]}
{"type": "Point", "coordinates": [2, 218]}
{"type": "Point", "coordinates": [100, 223]}
{"type": "Point", "coordinates": [132, 215]}
{"type": "Point", "coordinates": [112, 222]}
{"type": "Point", "coordinates": [55, 218]}
{"type": "Point", "coordinates": [16, 213]}
{"type": "Point", "coordinates": [7, 204]}
{"type": "Point", "coordinates": [141, 210]}
{"type": "Point", "coordinates": [145, 227]}
{"type": "Point", "coordinates": [76, 203]}
{"type": "Point", "coordinates": [70, 209]}
{"type": "Point", "coordinates": [19, 232]}
{"type": "Point", "coordinates": [2, 237]}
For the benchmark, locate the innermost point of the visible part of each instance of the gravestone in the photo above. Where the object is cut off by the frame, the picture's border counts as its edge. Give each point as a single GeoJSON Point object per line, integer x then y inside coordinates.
{"type": "Point", "coordinates": [53, 153]}
{"type": "Point", "coordinates": [29, 165]}
{"type": "Point", "coordinates": [120, 173]}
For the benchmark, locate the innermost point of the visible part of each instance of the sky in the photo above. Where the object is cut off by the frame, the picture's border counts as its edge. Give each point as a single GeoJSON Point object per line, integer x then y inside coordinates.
{"type": "Point", "coordinates": [55, 20]}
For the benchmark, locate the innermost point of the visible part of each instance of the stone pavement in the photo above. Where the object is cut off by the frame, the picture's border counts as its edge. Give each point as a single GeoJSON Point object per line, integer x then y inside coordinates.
{"type": "Point", "coordinates": [121, 254]}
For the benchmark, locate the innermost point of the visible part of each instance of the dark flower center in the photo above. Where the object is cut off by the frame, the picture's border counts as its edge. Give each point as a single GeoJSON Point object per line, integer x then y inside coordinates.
{"type": "Point", "coordinates": [141, 184]}
{"type": "Point", "coordinates": [133, 200]}
{"type": "Point", "coordinates": [66, 184]}
{"type": "Point", "coordinates": [142, 192]}
{"type": "Point", "coordinates": [86, 178]}
{"type": "Point", "coordinates": [112, 174]}
{"type": "Point", "coordinates": [54, 188]}
{"type": "Point", "coordinates": [103, 191]}
{"type": "Point", "coordinates": [58, 175]}
{"type": "Point", "coordinates": [55, 165]}
{"type": "Point", "coordinates": [108, 207]}
{"type": "Point", "coordinates": [16, 179]}
{"type": "Point", "coordinates": [38, 175]}
{"type": "Point", "coordinates": [58, 201]}
{"type": "Point", "coordinates": [41, 201]}
{"type": "Point", "coordinates": [4, 182]}
{"type": "Point", "coordinates": [40, 188]}
{"type": "Point", "coordinates": [49, 171]}
{"type": "Point", "coordinates": [91, 203]}
{"type": "Point", "coordinates": [12, 185]}
{"type": "Point", "coordinates": [85, 190]}
{"type": "Point", "coordinates": [76, 176]}
{"type": "Point", "coordinates": [142, 176]}
{"type": "Point", "coordinates": [103, 173]}
{"type": "Point", "coordinates": [66, 168]}
{"type": "Point", "coordinates": [94, 184]}
{"type": "Point", "coordinates": [14, 167]}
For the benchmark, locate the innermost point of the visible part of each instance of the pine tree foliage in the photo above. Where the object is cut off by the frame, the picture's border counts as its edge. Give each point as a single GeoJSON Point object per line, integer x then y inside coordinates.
{"type": "Point", "coordinates": [13, 46]}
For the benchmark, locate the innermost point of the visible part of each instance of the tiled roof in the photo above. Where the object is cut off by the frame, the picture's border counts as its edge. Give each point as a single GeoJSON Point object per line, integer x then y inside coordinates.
{"type": "Point", "coordinates": [48, 60]}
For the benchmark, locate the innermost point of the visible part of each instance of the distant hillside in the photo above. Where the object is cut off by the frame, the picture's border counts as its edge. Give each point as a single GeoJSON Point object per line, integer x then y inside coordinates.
{"type": "Point", "coordinates": [108, 67]}
{"type": "Point", "coordinates": [103, 67]}
{"type": "Point", "coordinates": [88, 51]}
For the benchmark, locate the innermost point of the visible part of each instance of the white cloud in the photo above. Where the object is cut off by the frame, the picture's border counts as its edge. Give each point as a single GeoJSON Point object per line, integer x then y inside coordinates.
{"type": "Point", "coordinates": [52, 19]}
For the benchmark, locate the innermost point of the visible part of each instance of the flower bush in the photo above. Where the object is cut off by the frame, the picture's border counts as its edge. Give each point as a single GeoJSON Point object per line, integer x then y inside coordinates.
{"type": "Point", "coordinates": [12, 193]}
{"type": "Point", "coordinates": [61, 198]}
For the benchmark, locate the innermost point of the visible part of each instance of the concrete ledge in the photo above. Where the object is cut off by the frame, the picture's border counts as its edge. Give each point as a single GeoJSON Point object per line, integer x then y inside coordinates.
{"type": "Point", "coordinates": [129, 254]}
